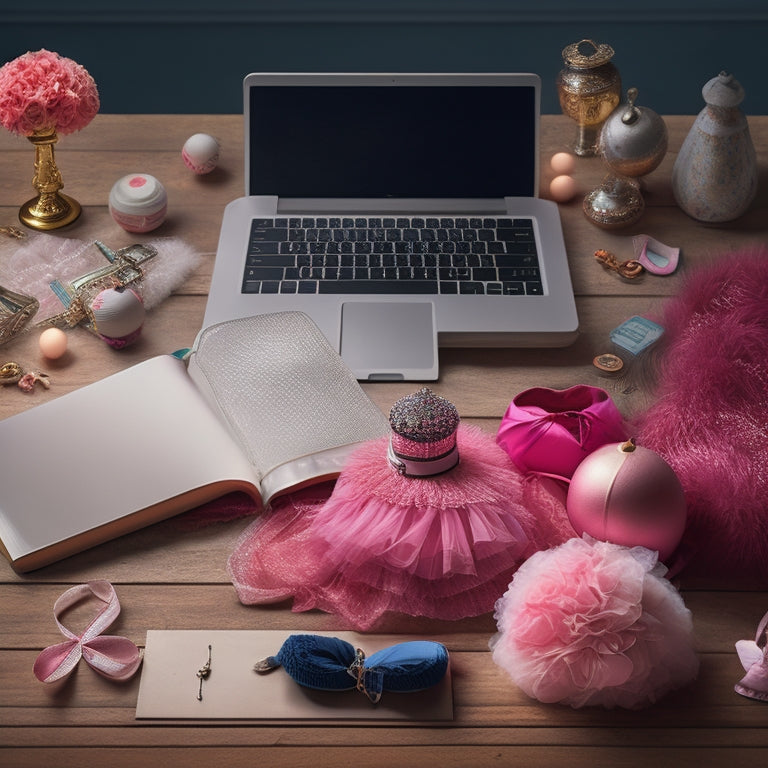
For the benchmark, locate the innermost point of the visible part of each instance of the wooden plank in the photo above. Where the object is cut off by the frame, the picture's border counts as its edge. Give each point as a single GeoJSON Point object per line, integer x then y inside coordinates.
{"type": "Point", "coordinates": [173, 575]}
{"type": "Point", "coordinates": [377, 734]}
{"type": "Point", "coordinates": [89, 181]}
{"type": "Point", "coordinates": [115, 134]}
{"type": "Point", "coordinates": [414, 757]}
{"type": "Point", "coordinates": [484, 695]}
{"type": "Point", "coordinates": [481, 382]}
{"type": "Point", "coordinates": [720, 617]}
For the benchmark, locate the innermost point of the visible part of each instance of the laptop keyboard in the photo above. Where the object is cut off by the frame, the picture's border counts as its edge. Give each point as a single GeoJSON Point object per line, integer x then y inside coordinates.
{"type": "Point", "coordinates": [375, 254]}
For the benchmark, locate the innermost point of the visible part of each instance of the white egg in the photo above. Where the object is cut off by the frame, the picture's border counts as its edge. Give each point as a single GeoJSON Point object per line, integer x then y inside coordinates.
{"type": "Point", "coordinates": [201, 153]}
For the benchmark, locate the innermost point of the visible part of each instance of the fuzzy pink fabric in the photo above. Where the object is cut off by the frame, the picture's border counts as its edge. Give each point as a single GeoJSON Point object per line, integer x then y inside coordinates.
{"type": "Point", "coordinates": [42, 90]}
{"type": "Point", "coordinates": [592, 623]}
{"type": "Point", "coordinates": [30, 265]}
{"type": "Point", "coordinates": [710, 416]}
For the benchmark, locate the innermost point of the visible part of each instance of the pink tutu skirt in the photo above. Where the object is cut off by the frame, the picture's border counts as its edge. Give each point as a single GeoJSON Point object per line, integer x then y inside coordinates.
{"type": "Point", "coordinates": [442, 547]}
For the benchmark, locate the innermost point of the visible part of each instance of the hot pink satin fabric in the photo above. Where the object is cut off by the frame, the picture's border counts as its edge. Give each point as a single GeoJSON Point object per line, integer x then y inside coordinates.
{"type": "Point", "coordinates": [550, 431]}
{"type": "Point", "coordinates": [111, 656]}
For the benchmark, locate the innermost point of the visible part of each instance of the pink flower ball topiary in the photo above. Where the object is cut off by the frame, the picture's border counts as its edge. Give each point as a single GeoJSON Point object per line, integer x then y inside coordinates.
{"type": "Point", "coordinates": [42, 91]}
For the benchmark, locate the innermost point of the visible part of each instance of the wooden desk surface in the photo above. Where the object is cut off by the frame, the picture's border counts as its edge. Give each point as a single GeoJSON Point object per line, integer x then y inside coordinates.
{"type": "Point", "coordinates": [171, 576]}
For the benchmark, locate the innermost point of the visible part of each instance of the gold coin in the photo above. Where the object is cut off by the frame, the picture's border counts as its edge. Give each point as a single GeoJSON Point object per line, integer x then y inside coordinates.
{"type": "Point", "coordinates": [608, 362]}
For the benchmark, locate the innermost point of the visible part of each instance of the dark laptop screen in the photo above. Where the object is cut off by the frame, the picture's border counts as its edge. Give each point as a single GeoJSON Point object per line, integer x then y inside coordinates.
{"type": "Point", "coordinates": [403, 141]}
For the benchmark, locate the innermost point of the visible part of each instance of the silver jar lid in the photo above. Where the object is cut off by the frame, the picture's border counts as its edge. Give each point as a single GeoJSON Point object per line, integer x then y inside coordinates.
{"type": "Point", "coordinates": [723, 91]}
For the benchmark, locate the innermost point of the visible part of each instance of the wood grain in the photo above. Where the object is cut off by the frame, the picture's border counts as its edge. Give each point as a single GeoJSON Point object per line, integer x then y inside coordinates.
{"type": "Point", "coordinates": [174, 575]}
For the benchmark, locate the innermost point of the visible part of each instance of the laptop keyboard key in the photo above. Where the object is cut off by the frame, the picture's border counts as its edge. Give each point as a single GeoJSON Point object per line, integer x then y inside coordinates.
{"type": "Point", "coordinates": [361, 254]}
{"type": "Point", "coordinates": [378, 286]}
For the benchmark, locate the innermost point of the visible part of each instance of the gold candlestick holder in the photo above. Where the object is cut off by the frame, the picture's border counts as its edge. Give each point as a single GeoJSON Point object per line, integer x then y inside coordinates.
{"type": "Point", "coordinates": [51, 208]}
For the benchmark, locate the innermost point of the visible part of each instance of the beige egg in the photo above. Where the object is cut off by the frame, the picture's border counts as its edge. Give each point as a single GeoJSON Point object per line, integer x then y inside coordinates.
{"type": "Point", "coordinates": [562, 163]}
{"type": "Point", "coordinates": [562, 189]}
{"type": "Point", "coordinates": [53, 343]}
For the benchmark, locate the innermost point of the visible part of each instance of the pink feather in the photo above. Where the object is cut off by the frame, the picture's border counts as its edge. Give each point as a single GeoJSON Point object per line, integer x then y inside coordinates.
{"type": "Point", "coordinates": [710, 416]}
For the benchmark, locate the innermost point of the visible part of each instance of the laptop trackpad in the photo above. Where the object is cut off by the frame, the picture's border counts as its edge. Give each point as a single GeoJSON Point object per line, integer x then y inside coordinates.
{"type": "Point", "coordinates": [389, 340]}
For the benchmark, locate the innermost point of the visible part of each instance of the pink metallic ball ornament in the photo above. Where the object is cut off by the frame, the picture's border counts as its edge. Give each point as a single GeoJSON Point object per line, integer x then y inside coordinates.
{"type": "Point", "coordinates": [628, 495]}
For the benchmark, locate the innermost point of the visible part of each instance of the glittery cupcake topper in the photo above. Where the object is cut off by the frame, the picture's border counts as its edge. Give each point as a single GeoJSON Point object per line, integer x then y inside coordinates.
{"type": "Point", "coordinates": [423, 438]}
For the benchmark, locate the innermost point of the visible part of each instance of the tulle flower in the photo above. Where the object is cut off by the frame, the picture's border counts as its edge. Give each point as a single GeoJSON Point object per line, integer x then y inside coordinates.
{"type": "Point", "coordinates": [594, 623]}
{"type": "Point", "coordinates": [41, 91]}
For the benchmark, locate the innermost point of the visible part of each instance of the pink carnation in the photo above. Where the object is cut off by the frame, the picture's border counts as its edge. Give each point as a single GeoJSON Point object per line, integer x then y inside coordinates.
{"type": "Point", "coordinates": [27, 382]}
{"type": "Point", "coordinates": [594, 623]}
{"type": "Point", "coordinates": [43, 91]}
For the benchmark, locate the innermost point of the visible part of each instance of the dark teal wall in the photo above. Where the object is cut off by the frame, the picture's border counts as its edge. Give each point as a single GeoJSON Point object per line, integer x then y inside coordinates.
{"type": "Point", "coordinates": [173, 56]}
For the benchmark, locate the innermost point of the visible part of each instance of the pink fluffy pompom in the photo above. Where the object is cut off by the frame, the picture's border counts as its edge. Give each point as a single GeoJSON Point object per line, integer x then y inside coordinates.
{"type": "Point", "coordinates": [594, 623]}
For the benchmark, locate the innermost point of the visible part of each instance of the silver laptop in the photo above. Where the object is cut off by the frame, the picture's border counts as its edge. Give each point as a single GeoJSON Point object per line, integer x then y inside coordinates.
{"type": "Point", "coordinates": [398, 211]}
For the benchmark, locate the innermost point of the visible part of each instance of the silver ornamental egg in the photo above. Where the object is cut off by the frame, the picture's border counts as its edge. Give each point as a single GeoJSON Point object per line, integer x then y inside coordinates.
{"type": "Point", "coordinates": [633, 140]}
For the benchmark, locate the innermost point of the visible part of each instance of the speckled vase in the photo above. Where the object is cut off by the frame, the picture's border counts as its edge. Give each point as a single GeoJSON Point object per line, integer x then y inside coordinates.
{"type": "Point", "coordinates": [714, 178]}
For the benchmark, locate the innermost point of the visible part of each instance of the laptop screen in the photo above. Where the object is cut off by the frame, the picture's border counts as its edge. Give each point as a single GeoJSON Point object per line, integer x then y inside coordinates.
{"type": "Point", "coordinates": [421, 141]}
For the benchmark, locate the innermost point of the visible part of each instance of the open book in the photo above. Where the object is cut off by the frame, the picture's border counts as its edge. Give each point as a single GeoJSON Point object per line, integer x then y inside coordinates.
{"type": "Point", "coordinates": [264, 405]}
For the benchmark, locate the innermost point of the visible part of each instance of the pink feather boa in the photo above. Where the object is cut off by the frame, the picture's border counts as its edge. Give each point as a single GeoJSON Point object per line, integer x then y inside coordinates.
{"type": "Point", "coordinates": [710, 416]}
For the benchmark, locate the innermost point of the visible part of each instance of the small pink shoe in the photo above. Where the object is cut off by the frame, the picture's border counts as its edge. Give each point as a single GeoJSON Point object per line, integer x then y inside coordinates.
{"type": "Point", "coordinates": [549, 432]}
{"type": "Point", "coordinates": [754, 658]}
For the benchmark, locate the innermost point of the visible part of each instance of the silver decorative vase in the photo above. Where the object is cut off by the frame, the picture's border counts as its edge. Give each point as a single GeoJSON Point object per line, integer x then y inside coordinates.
{"type": "Point", "coordinates": [714, 178]}
{"type": "Point", "coordinates": [633, 142]}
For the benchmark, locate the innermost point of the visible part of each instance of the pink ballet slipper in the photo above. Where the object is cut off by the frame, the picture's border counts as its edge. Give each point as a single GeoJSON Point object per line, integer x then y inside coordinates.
{"type": "Point", "coordinates": [754, 658]}
{"type": "Point", "coordinates": [549, 432]}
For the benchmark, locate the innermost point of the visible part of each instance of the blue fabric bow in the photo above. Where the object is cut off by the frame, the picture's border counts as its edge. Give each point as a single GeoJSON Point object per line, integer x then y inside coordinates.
{"type": "Point", "coordinates": [332, 664]}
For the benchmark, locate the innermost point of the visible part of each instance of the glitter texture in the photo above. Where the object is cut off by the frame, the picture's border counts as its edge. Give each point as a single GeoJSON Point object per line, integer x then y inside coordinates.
{"type": "Point", "coordinates": [423, 425]}
{"type": "Point", "coordinates": [424, 417]}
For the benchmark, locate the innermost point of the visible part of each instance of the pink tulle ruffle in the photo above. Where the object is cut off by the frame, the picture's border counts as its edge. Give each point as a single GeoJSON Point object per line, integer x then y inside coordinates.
{"type": "Point", "coordinates": [442, 547]}
{"type": "Point", "coordinates": [594, 623]}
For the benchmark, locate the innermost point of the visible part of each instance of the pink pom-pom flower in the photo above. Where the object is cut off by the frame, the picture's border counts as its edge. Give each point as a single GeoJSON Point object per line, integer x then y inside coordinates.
{"type": "Point", "coordinates": [594, 623]}
{"type": "Point", "coordinates": [41, 91]}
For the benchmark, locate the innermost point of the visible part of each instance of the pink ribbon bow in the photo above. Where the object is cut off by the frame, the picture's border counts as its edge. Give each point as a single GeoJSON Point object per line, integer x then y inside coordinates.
{"type": "Point", "coordinates": [114, 657]}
